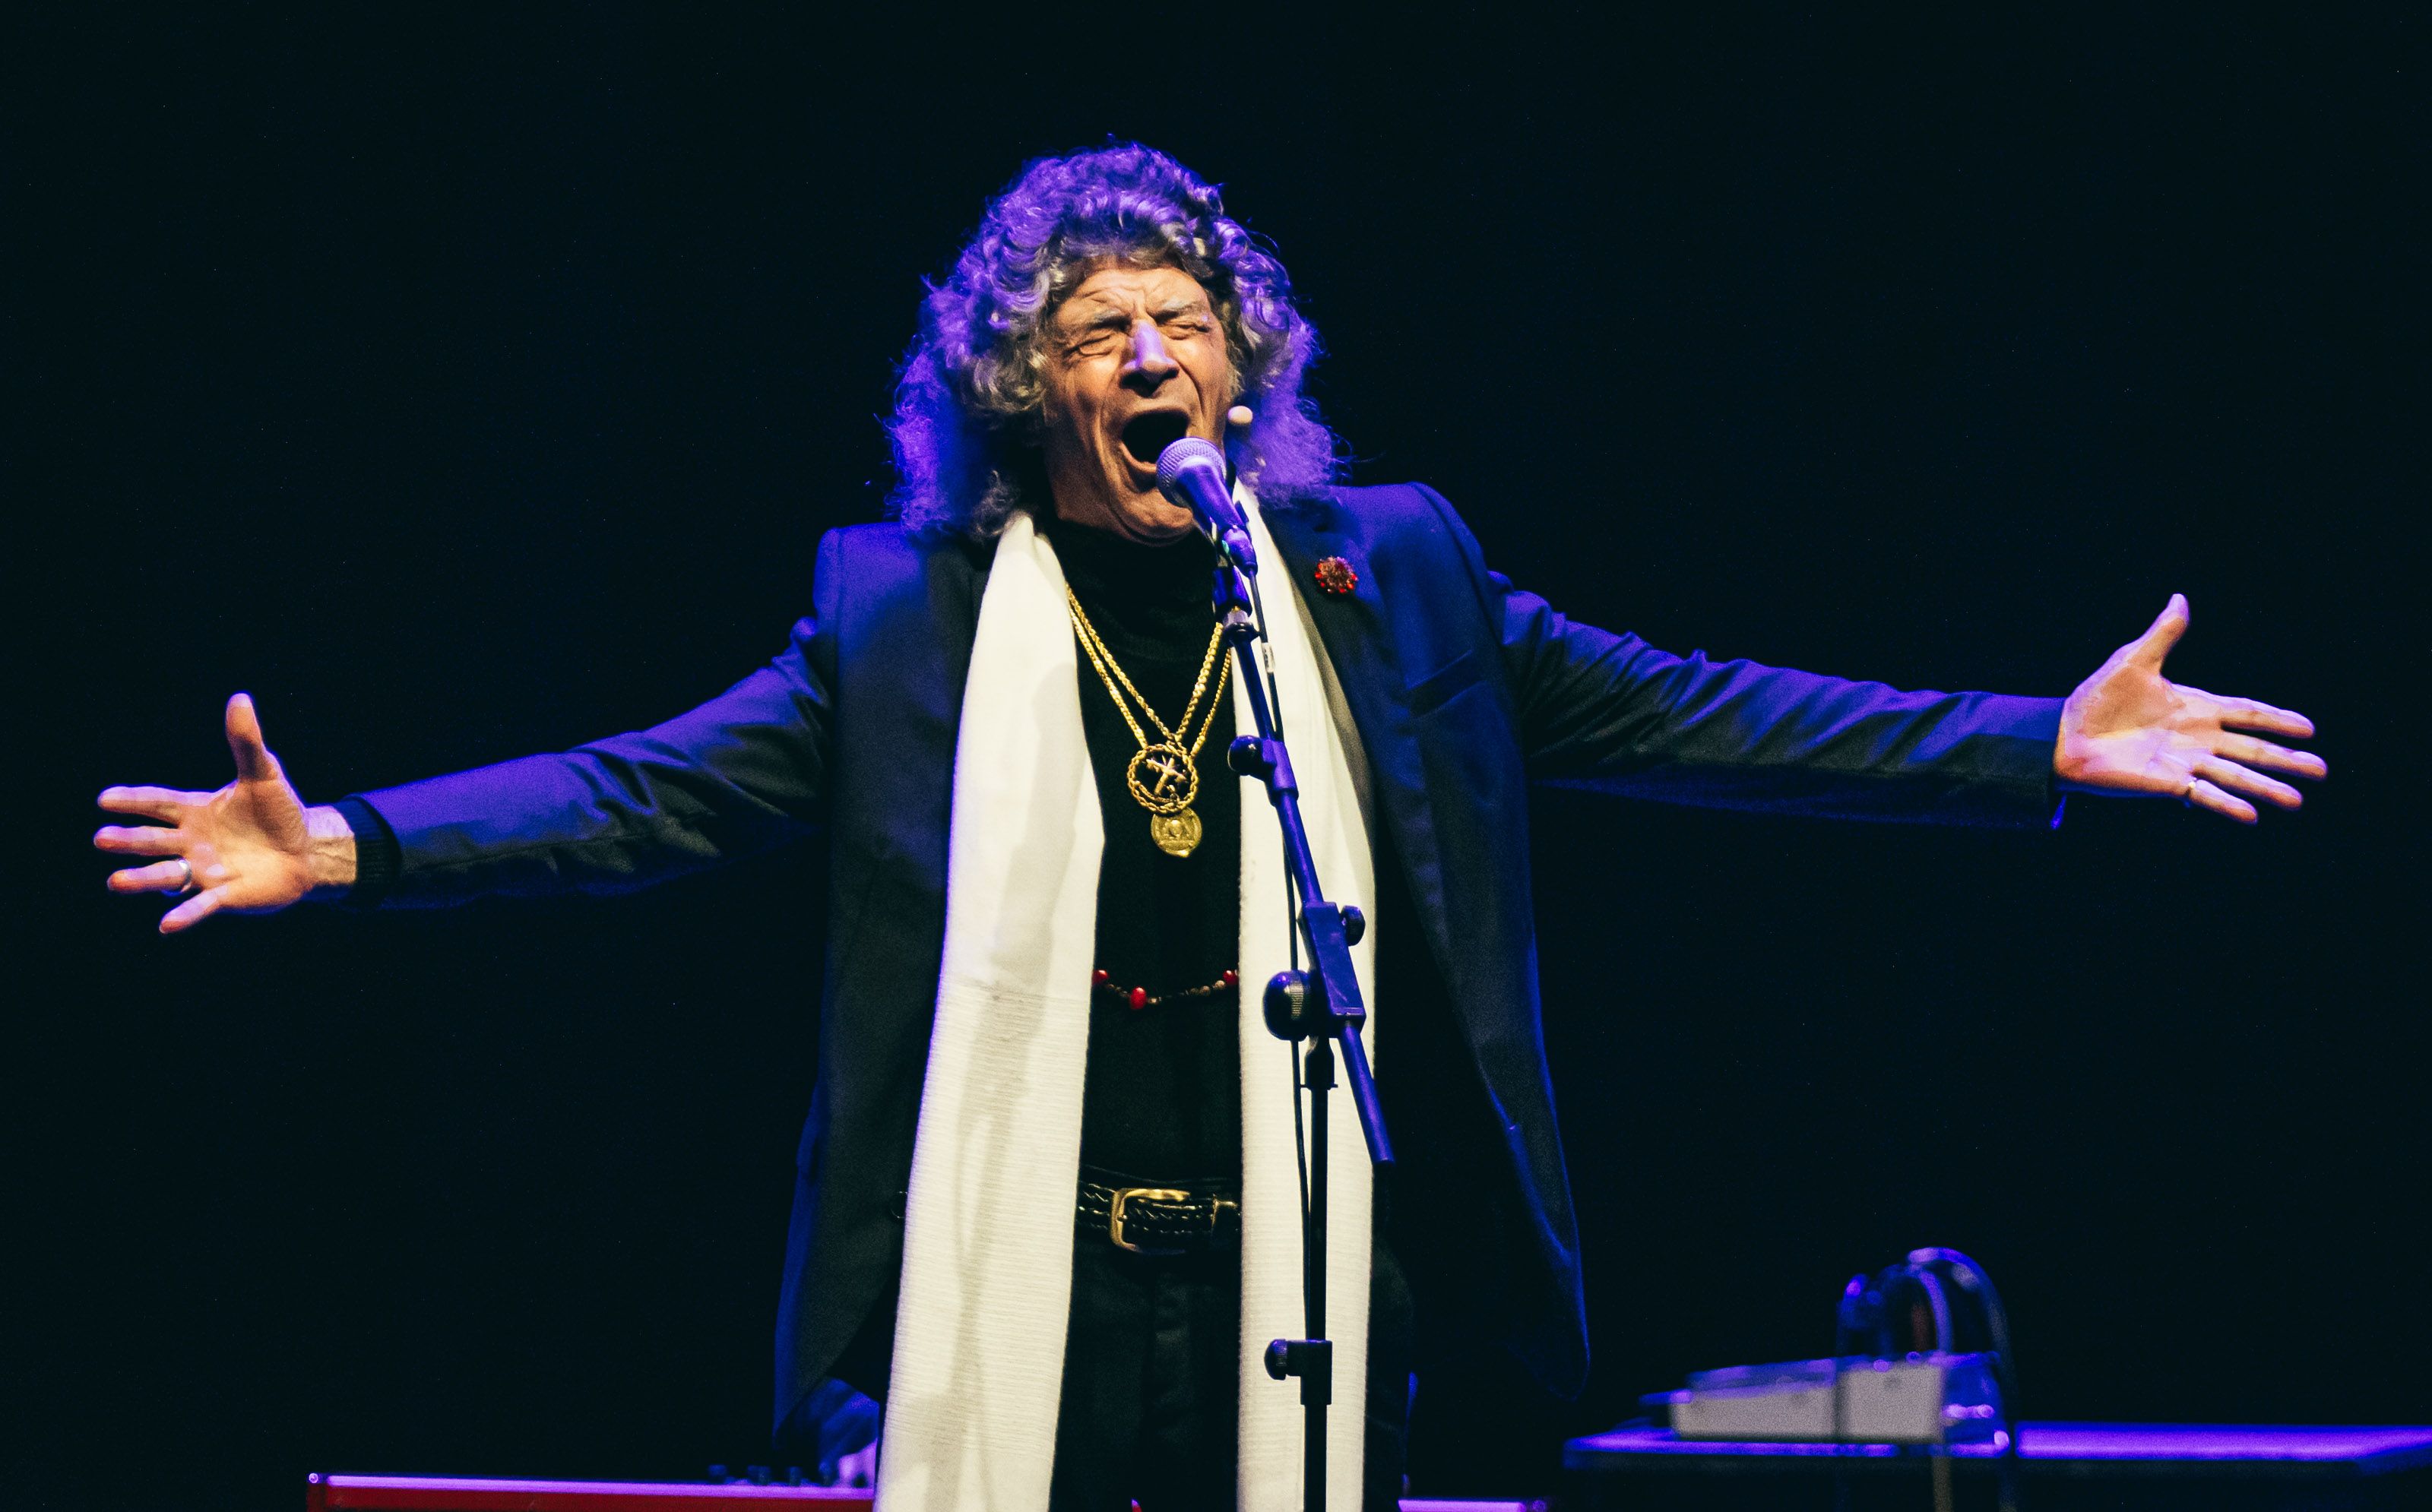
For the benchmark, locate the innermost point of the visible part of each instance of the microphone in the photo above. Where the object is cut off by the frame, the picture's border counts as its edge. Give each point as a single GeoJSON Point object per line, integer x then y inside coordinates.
{"type": "Point", "coordinates": [1191, 472]}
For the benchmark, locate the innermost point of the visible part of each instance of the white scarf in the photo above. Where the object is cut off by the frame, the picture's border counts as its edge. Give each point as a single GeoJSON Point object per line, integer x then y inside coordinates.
{"type": "Point", "coordinates": [989, 1230]}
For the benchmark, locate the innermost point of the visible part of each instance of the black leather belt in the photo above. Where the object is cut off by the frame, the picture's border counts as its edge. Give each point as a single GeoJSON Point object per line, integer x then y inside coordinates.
{"type": "Point", "coordinates": [1159, 1220]}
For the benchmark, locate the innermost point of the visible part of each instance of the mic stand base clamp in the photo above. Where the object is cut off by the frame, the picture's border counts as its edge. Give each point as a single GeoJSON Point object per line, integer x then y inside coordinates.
{"type": "Point", "coordinates": [1311, 1360]}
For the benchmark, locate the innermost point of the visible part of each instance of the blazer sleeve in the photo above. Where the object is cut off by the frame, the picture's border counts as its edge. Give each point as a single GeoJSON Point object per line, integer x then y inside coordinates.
{"type": "Point", "coordinates": [738, 774]}
{"type": "Point", "coordinates": [1607, 710]}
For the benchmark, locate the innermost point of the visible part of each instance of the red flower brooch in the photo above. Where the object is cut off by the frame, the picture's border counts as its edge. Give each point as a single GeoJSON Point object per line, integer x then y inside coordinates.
{"type": "Point", "coordinates": [1335, 575]}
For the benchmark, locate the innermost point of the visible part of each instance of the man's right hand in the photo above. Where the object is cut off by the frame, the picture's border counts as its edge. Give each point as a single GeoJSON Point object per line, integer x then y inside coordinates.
{"type": "Point", "coordinates": [251, 848]}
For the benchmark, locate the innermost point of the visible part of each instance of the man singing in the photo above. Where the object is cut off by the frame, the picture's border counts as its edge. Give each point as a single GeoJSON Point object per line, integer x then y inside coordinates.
{"type": "Point", "coordinates": [1048, 1208]}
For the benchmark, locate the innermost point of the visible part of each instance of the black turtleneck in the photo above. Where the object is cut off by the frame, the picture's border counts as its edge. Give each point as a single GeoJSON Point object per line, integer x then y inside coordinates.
{"type": "Point", "coordinates": [1162, 1100]}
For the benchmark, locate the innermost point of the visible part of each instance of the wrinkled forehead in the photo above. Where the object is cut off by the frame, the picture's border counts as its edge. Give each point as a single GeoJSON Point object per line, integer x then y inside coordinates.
{"type": "Point", "coordinates": [1131, 292]}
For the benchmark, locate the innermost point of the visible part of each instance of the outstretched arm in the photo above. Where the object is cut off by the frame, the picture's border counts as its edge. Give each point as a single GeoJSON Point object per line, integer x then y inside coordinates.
{"type": "Point", "coordinates": [1610, 710]}
{"type": "Point", "coordinates": [1599, 710]}
{"type": "Point", "coordinates": [739, 774]}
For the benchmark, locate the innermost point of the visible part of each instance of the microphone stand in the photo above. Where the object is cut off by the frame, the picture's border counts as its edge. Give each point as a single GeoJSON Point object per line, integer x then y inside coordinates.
{"type": "Point", "coordinates": [1321, 1005]}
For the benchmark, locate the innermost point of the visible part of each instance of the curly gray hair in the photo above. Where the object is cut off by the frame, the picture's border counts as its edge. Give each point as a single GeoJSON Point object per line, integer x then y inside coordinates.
{"type": "Point", "coordinates": [966, 431]}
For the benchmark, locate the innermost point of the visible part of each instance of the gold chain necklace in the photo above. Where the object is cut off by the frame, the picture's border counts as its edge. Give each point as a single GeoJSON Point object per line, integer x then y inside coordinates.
{"type": "Point", "coordinates": [1163, 775]}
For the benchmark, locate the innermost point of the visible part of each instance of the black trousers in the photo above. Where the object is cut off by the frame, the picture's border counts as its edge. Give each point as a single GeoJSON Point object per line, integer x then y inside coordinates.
{"type": "Point", "coordinates": [1152, 1381]}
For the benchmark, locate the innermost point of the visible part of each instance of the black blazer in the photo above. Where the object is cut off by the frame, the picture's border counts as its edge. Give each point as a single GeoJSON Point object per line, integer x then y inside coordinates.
{"type": "Point", "coordinates": [1465, 691]}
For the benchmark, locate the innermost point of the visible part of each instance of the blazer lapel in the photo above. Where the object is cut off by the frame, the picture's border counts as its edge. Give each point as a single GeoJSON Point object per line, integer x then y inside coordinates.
{"type": "Point", "coordinates": [1356, 630]}
{"type": "Point", "coordinates": [1351, 624]}
{"type": "Point", "coordinates": [910, 614]}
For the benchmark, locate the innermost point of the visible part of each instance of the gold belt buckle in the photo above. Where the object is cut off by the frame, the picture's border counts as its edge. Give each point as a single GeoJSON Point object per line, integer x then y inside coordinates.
{"type": "Point", "coordinates": [1146, 1194]}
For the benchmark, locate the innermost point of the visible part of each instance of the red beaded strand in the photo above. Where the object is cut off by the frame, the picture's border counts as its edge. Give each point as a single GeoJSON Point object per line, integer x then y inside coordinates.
{"type": "Point", "coordinates": [1137, 999]}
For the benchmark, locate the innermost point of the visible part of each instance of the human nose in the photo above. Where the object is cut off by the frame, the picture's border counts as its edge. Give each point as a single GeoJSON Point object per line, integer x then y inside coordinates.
{"type": "Point", "coordinates": [1151, 362]}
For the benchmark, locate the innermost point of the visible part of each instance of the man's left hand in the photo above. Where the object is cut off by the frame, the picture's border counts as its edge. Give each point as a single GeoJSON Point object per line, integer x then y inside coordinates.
{"type": "Point", "coordinates": [2129, 730]}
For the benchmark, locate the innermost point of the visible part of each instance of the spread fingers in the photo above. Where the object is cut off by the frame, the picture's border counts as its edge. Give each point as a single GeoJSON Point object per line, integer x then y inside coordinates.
{"type": "Point", "coordinates": [193, 911]}
{"type": "Point", "coordinates": [139, 840]}
{"type": "Point", "coordinates": [2263, 753]}
{"type": "Point", "coordinates": [149, 803]}
{"type": "Point", "coordinates": [2248, 714]}
{"type": "Point", "coordinates": [160, 877]}
{"type": "Point", "coordinates": [2206, 795]}
{"type": "Point", "coordinates": [2235, 778]}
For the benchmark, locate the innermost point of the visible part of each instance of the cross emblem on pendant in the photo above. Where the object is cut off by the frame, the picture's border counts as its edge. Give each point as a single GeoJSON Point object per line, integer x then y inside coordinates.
{"type": "Point", "coordinates": [1166, 771]}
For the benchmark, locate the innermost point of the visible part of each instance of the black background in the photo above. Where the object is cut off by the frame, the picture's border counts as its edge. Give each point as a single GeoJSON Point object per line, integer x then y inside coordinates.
{"type": "Point", "coordinates": [468, 385]}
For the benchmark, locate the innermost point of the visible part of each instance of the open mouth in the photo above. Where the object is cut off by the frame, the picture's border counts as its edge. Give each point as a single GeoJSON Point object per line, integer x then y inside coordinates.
{"type": "Point", "coordinates": [1146, 436]}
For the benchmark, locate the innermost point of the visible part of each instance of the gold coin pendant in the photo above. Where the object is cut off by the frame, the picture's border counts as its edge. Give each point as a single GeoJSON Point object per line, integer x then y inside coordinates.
{"type": "Point", "coordinates": [1175, 833]}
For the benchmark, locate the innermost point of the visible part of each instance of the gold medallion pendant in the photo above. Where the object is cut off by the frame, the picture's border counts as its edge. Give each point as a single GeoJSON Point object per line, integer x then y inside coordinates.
{"type": "Point", "coordinates": [1164, 773]}
{"type": "Point", "coordinates": [1165, 780]}
{"type": "Point", "coordinates": [1175, 833]}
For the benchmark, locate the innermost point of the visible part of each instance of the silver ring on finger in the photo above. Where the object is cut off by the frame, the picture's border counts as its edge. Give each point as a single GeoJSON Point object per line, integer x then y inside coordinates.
{"type": "Point", "coordinates": [2187, 796]}
{"type": "Point", "coordinates": [188, 884]}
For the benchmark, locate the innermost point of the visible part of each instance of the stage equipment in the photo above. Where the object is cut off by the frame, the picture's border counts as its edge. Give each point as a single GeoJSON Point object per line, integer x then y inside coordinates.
{"type": "Point", "coordinates": [2065, 1467]}
{"type": "Point", "coordinates": [1320, 1004]}
{"type": "Point", "coordinates": [430, 1493]}
{"type": "Point", "coordinates": [1924, 1399]}
{"type": "Point", "coordinates": [1911, 1387]}
{"type": "Point", "coordinates": [435, 1493]}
